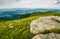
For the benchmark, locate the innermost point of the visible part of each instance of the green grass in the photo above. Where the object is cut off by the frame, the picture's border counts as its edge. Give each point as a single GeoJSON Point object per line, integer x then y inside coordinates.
{"type": "Point", "coordinates": [21, 29]}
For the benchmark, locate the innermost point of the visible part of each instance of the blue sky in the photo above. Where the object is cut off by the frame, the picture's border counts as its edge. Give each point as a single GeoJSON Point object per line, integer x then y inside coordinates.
{"type": "Point", "coordinates": [52, 4]}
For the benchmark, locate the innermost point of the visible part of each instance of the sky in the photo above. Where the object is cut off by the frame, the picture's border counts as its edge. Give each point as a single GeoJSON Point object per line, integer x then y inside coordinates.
{"type": "Point", "coordinates": [52, 4]}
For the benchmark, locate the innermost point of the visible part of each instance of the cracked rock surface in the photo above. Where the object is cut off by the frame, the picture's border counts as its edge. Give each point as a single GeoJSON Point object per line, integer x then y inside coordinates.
{"type": "Point", "coordinates": [44, 23]}
{"type": "Point", "coordinates": [47, 36]}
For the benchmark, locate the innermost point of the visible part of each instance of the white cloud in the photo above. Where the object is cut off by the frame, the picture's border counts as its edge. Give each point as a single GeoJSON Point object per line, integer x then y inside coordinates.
{"type": "Point", "coordinates": [30, 4]}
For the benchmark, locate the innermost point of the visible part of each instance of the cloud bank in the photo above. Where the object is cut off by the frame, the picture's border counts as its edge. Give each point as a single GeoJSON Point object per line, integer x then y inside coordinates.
{"type": "Point", "coordinates": [53, 4]}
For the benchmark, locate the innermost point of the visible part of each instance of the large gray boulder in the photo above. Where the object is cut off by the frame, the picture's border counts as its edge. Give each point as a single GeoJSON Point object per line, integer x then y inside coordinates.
{"type": "Point", "coordinates": [44, 23]}
{"type": "Point", "coordinates": [47, 36]}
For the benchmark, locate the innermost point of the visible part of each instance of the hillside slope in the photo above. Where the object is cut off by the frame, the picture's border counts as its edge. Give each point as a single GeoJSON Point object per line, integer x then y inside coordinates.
{"type": "Point", "coordinates": [21, 27]}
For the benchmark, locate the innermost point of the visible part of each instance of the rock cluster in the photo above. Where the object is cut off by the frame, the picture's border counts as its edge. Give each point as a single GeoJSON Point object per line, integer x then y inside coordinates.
{"type": "Point", "coordinates": [44, 23]}
{"type": "Point", "coordinates": [47, 36]}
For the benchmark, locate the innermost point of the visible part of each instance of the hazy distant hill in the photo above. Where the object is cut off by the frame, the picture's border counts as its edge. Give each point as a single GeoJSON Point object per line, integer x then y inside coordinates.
{"type": "Point", "coordinates": [20, 13]}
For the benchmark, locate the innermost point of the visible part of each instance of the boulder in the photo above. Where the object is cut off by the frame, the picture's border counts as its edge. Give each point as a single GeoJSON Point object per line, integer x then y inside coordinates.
{"type": "Point", "coordinates": [47, 36]}
{"type": "Point", "coordinates": [44, 23]}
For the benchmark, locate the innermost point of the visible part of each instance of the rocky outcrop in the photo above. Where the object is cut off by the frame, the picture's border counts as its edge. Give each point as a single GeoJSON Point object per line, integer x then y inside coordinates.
{"type": "Point", "coordinates": [44, 23]}
{"type": "Point", "coordinates": [47, 36]}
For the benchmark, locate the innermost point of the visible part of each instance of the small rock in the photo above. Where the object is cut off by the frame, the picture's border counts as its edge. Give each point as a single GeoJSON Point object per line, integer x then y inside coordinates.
{"type": "Point", "coordinates": [11, 25]}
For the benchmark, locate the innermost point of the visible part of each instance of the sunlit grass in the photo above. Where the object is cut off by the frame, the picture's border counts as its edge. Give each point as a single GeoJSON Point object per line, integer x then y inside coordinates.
{"type": "Point", "coordinates": [21, 29]}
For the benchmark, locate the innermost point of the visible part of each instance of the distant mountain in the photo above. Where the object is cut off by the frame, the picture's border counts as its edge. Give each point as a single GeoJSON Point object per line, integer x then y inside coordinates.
{"type": "Point", "coordinates": [21, 12]}
{"type": "Point", "coordinates": [17, 16]}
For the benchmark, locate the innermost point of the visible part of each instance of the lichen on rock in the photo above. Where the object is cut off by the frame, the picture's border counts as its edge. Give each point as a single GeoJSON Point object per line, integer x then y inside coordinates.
{"type": "Point", "coordinates": [47, 36]}
{"type": "Point", "coordinates": [44, 23]}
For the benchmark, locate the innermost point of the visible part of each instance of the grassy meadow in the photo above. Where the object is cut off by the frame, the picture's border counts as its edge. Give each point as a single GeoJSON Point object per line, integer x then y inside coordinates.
{"type": "Point", "coordinates": [21, 27]}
